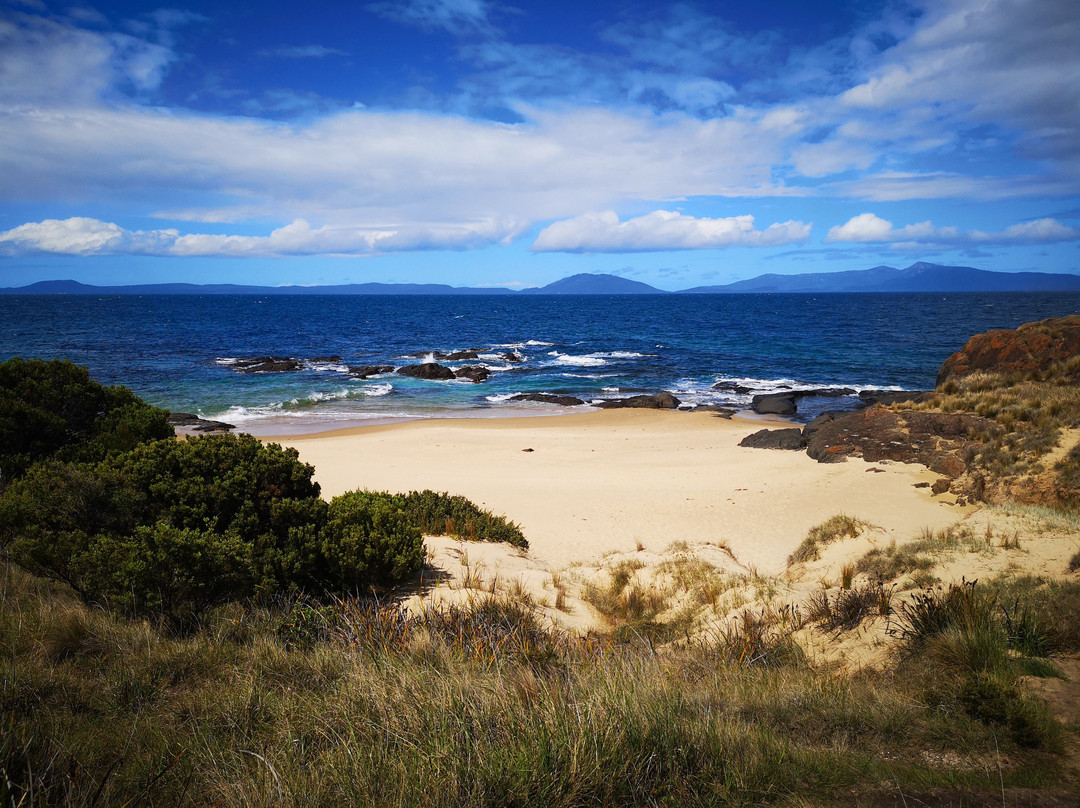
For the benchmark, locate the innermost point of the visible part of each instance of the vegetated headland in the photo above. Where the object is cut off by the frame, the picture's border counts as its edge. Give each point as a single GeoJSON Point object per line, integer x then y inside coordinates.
{"type": "Point", "coordinates": [214, 621]}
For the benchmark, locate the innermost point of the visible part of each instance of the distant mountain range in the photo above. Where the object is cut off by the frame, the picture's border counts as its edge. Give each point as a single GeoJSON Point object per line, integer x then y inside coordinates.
{"type": "Point", "coordinates": [920, 277]}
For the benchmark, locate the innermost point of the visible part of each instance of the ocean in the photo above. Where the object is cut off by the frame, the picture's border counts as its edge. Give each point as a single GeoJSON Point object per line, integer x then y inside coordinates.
{"type": "Point", "coordinates": [180, 352]}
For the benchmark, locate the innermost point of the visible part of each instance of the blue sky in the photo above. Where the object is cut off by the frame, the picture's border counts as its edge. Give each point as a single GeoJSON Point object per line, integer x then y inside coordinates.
{"type": "Point", "coordinates": [486, 144]}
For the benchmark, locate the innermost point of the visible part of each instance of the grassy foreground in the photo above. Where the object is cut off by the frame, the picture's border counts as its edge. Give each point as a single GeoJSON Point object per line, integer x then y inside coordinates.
{"type": "Point", "coordinates": [354, 704]}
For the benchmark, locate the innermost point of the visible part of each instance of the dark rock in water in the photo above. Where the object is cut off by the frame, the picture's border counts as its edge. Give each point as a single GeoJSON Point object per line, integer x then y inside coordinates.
{"type": "Point", "coordinates": [791, 439]}
{"type": "Point", "coordinates": [363, 371]}
{"type": "Point", "coordinates": [428, 370]}
{"type": "Point", "coordinates": [887, 397]}
{"type": "Point", "coordinates": [774, 404]}
{"type": "Point", "coordinates": [193, 423]}
{"type": "Point", "coordinates": [937, 440]}
{"type": "Point", "coordinates": [824, 392]}
{"type": "Point", "coordinates": [266, 364]}
{"type": "Point", "coordinates": [659, 401]}
{"type": "Point", "coordinates": [549, 398]}
{"type": "Point", "coordinates": [739, 389]}
{"type": "Point", "coordinates": [324, 359]}
{"type": "Point", "coordinates": [721, 412]}
{"type": "Point", "coordinates": [1030, 348]}
{"type": "Point", "coordinates": [458, 356]}
{"type": "Point", "coordinates": [475, 374]}
{"type": "Point", "coordinates": [422, 354]}
{"type": "Point", "coordinates": [512, 358]}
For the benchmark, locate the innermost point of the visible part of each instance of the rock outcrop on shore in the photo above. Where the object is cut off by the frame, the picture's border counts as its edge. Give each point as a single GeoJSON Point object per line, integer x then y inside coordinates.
{"type": "Point", "coordinates": [187, 422]}
{"type": "Point", "coordinates": [656, 401]}
{"type": "Point", "coordinates": [549, 398]}
{"type": "Point", "coordinates": [1025, 397]}
{"type": "Point", "coordinates": [1033, 347]}
{"type": "Point", "coordinates": [474, 373]}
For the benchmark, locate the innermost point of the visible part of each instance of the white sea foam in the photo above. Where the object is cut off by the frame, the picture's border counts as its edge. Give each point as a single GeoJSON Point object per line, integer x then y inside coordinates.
{"type": "Point", "coordinates": [584, 360]}
{"type": "Point", "coordinates": [377, 390]}
{"type": "Point", "coordinates": [500, 398]}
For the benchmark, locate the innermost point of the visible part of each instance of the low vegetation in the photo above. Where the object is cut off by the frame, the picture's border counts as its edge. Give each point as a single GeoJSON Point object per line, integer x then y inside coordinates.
{"type": "Point", "coordinates": [834, 528]}
{"type": "Point", "coordinates": [154, 527]}
{"type": "Point", "coordinates": [353, 703]}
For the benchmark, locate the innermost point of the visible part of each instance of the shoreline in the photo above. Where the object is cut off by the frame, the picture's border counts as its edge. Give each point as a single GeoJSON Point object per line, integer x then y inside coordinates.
{"type": "Point", "coordinates": [583, 485]}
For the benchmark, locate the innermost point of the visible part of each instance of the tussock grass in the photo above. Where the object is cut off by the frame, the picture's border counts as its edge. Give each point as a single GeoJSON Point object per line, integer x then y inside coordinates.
{"type": "Point", "coordinates": [832, 529]}
{"type": "Point", "coordinates": [850, 606]}
{"type": "Point", "coordinates": [478, 705]}
{"type": "Point", "coordinates": [920, 556]}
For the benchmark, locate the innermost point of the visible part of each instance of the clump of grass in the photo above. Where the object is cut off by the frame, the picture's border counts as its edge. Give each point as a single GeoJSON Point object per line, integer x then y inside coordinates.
{"type": "Point", "coordinates": [625, 600]}
{"type": "Point", "coordinates": [834, 528]}
{"type": "Point", "coordinates": [757, 639]}
{"type": "Point", "coordinates": [919, 556]}
{"type": "Point", "coordinates": [977, 649]}
{"type": "Point", "coordinates": [850, 607]}
{"type": "Point", "coordinates": [1074, 562]}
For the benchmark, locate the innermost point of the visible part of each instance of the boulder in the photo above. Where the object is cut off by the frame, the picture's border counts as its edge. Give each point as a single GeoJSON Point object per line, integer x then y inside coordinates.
{"type": "Point", "coordinates": [428, 370]}
{"type": "Point", "coordinates": [658, 401]}
{"type": "Point", "coordinates": [474, 374]}
{"type": "Point", "coordinates": [774, 404]}
{"type": "Point", "coordinates": [325, 359]}
{"type": "Point", "coordinates": [459, 356]}
{"type": "Point", "coordinates": [791, 439]}
{"type": "Point", "coordinates": [363, 371]}
{"type": "Point", "coordinates": [266, 364]}
{"type": "Point", "coordinates": [548, 398]}
{"type": "Point", "coordinates": [1031, 348]}
{"type": "Point", "coordinates": [513, 358]}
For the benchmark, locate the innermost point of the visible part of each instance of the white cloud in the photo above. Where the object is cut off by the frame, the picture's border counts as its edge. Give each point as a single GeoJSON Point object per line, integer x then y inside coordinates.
{"type": "Point", "coordinates": [867, 228]}
{"type": "Point", "coordinates": [302, 52]}
{"type": "Point", "coordinates": [663, 230]}
{"type": "Point", "coordinates": [85, 236]}
{"type": "Point", "coordinates": [456, 16]}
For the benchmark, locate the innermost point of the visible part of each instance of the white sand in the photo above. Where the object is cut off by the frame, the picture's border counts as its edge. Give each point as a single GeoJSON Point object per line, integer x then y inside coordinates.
{"type": "Point", "coordinates": [606, 481]}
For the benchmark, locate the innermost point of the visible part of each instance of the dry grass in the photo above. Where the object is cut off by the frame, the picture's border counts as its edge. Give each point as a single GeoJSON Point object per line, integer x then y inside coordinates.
{"type": "Point", "coordinates": [480, 704]}
{"type": "Point", "coordinates": [832, 529]}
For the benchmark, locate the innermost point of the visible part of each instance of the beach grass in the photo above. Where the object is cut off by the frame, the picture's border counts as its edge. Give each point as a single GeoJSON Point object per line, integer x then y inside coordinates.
{"type": "Point", "coordinates": [357, 703]}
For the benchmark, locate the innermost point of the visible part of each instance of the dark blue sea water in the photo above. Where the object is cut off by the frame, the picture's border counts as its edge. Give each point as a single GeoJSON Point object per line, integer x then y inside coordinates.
{"type": "Point", "coordinates": [174, 350]}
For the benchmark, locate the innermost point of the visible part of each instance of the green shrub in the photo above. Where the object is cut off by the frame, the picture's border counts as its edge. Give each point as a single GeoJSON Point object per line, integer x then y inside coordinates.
{"type": "Point", "coordinates": [369, 537]}
{"type": "Point", "coordinates": [833, 528]}
{"type": "Point", "coordinates": [175, 527]}
{"type": "Point", "coordinates": [441, 514]}
{"type": "Point", "coordinates": [54, 408]}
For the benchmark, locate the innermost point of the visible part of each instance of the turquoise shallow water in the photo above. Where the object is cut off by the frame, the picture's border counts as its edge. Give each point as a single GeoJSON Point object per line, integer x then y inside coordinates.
{"type": "Point", "coordinates": [175, 350]}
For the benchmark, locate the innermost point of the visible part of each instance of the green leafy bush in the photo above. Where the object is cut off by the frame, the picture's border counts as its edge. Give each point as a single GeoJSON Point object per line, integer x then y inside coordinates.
{"type": "Point", "coordinates": [175, 527]}
{"type": "Point", "coordinates": [439, 514]}
{"type": "Point", "coordinates": [54, 409]}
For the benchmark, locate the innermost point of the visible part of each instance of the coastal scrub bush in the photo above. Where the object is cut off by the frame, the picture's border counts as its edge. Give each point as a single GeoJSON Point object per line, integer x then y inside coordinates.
{"type": "Point", "coordinates": [54, 409]}
{"type": "Point", "coordinates": [441, 514]}
{"type": "Point", "coordinates": [175, 527]}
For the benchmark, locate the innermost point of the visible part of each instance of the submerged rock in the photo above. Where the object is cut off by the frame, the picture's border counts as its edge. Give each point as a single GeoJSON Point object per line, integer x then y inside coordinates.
{"type": "Point", "coordinates": [266, 364]}
{"type": "Point", "coordinates": [363, 371]}
{"type": "Point", "coordinates": [427, 370]}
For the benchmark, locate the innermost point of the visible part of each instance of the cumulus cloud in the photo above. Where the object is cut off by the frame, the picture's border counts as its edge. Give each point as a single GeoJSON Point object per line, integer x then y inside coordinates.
{"type": "Point", "coordinates": [86, 236]}
{"type": "Point", "coordinates": [663, 230]}
{"type": "Point", "coordinates": [868, 228]}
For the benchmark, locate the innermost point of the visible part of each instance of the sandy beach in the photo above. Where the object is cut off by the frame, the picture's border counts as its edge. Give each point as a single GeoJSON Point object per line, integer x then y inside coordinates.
{"type": "Point", "coordinates": [585, 485]}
